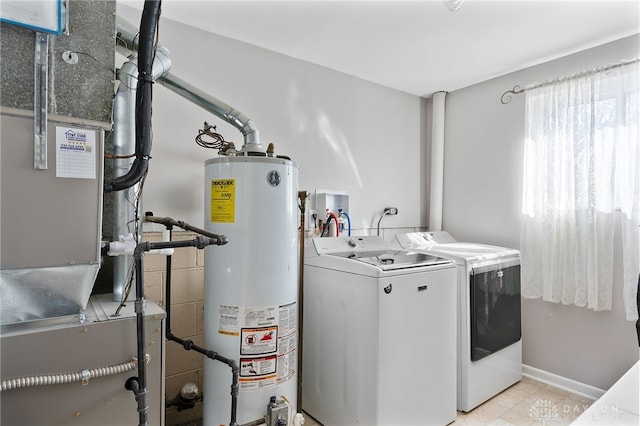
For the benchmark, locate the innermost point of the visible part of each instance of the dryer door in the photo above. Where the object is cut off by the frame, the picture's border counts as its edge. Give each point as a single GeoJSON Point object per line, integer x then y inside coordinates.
{"type": "Point", "coordinates": [495, 308]}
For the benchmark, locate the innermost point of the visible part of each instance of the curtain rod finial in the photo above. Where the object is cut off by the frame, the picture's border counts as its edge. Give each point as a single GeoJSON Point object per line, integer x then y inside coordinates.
{"type": "Point", "coordinates": [506, 96]}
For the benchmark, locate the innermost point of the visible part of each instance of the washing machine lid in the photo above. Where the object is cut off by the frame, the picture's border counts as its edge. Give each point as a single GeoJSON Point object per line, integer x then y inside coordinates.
{"type": "Point", "coordinates": [392, 260]}
{"type": "Point", "coordinates": [374, 252]}
{"type": "Point", "coordinates": [442, 244]}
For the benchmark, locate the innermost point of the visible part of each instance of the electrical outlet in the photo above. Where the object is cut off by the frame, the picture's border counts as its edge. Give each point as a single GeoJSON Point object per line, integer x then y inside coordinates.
{"type": "Point", "coordinates": [390, 210]}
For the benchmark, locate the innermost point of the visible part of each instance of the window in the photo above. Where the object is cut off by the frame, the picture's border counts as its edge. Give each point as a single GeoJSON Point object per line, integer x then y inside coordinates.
{"type": "Point", "coordinates": [581, 189]}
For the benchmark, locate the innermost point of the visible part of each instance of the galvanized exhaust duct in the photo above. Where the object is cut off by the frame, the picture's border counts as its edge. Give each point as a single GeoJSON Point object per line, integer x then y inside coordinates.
{"type": "Point", "coordinates": [127, 38]}
{"type": "Point", "coordinates": [124, 143]}
{"type": "Point", "coordinates": [217, 108]}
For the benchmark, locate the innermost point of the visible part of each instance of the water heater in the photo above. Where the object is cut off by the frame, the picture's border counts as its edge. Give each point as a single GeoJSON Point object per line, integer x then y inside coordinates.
{"type": "Point", "coordinates": [251, 292]}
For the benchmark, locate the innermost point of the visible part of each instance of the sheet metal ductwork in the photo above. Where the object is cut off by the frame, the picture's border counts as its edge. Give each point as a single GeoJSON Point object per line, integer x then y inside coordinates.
{"type": "Point", "coordinates": [124, 143]}
{"type": "Point", "coordinates": [217, 108]}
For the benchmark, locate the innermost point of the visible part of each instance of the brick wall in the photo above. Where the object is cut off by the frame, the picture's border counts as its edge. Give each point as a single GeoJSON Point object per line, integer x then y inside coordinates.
{"type": "Point", "coordinates": [187, 317]}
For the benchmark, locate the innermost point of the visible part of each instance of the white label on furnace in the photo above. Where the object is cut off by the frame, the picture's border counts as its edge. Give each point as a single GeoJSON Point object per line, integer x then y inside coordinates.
{"type": "Point", "coordinates": [75, 153]}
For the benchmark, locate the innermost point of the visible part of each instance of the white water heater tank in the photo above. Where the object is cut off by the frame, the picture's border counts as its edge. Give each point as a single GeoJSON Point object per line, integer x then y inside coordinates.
{"type": "Point", "coordinates": [251, 291]}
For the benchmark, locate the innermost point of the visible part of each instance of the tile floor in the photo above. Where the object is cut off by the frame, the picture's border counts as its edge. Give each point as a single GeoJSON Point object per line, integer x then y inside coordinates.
{"type": "Point", "coordinates": [526, 403]}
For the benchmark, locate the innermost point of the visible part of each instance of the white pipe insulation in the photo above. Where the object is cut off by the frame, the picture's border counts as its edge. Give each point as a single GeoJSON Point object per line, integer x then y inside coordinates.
{"type": "Point", "coordinates": [437, 161]}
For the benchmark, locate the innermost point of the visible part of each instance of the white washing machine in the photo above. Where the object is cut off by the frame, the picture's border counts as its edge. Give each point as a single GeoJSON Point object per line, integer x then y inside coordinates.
{"type": "Point", "coordinates": [379, 334]}
{"type": "Point", "coordinates": [489, 315]}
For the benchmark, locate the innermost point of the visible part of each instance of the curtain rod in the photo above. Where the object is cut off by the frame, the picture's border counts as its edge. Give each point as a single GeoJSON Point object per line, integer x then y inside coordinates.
{"type": "Point", "coordinates": [506, 96]}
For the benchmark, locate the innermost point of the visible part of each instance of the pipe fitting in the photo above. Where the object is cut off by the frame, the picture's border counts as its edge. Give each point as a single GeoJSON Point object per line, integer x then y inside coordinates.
{"type": "Point", "coordinates": [126, 244]}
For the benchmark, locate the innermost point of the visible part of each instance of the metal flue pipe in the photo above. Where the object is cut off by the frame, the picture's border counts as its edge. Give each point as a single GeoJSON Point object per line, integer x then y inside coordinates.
{"type": "Point", "coordinates": [124, 143]}
{"type": "Point", "coordinates": [217, 108]}
{"type": "Point", "coordinates": [127, 41]}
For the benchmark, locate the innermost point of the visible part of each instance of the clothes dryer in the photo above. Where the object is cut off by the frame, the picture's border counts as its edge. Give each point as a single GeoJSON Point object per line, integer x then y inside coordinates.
{"type": "Point", "coordinates": [489, 351]}
{"type": "Point", "coordinates": [379, 334]}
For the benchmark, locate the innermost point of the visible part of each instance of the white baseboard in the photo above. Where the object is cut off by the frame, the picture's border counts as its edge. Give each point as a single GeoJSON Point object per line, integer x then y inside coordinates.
{"type": "Point", "coordinates": [563, 383]}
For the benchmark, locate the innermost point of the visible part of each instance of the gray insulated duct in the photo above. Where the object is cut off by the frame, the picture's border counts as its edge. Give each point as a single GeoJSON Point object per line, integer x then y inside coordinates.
{"type": "Point", "coordinates": [127, 217]}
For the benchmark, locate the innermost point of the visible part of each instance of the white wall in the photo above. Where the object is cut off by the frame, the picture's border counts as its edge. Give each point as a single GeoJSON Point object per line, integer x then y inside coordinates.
{"type": "Point", "coordinates": [344, 133]}
{"type": "Point", "coordinates": [482, 200]}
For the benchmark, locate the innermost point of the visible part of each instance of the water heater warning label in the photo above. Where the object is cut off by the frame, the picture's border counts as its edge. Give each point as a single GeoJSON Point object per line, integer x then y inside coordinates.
{"type": "Point", "coordinates": [261, 340]}
{"type": "Point", "coordinates": [258, 372]}
{"type": "Point", "coordinates": [267, 342]}
{"type": "Point", "coordinates": [223, 200]}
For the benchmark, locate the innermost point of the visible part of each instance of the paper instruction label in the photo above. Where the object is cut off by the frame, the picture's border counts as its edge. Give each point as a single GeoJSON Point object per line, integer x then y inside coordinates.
{"type": "Point", "coordinates": [228, 320]}
{"type": "Point", "coordinates": [75, 153]}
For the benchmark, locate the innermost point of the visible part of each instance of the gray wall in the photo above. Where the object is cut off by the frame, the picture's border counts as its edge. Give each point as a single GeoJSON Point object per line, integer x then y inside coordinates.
{"type": "Point", "coordinates": [344, 133]}
{"type": "Point", "coordinates": [482, 201]}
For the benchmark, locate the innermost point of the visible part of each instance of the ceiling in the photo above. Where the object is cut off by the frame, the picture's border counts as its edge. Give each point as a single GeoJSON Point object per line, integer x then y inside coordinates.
{"type": "Point", "coordinates": [418, 47]}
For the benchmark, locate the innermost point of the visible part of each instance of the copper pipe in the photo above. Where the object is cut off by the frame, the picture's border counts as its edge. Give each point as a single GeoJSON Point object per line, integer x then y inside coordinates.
{"type": "Point", "coordinates": [302, 195]}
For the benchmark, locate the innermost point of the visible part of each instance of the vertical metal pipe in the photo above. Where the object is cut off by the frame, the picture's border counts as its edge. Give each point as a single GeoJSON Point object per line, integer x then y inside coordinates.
{"type": "Point", "coordinates": [141, 393]}
{"type": "Point", "coordinates": [40, 105]}
{"type": "Point", "coordinates": [127, 208]}
{"type": "Point", "coordinates": [167, 288]}
{"type": "Point", "coordinates": [124, 136]}
{"type": "Point", "coordinates": [437, 162]}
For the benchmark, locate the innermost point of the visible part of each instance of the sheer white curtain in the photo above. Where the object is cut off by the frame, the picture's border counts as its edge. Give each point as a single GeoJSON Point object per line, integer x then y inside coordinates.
{"type": "Point", "coordinates": [581, 190]}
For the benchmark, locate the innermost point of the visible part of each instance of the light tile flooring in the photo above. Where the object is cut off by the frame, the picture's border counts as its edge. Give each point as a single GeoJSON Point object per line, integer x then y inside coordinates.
{"type": "Point", "coordinates": [526, 403]}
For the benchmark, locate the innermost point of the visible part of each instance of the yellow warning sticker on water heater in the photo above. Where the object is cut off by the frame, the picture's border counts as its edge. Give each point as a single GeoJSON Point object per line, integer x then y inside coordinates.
{"type": "Point", "coordinates": [223, 200]}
